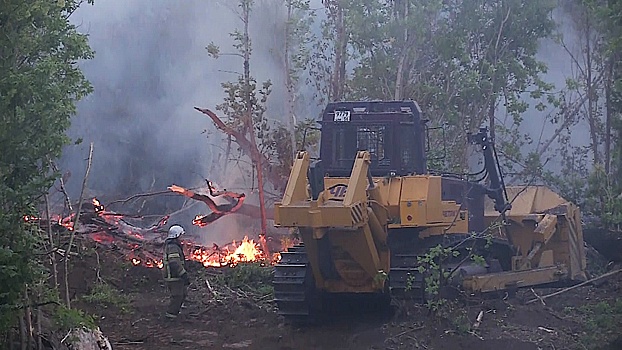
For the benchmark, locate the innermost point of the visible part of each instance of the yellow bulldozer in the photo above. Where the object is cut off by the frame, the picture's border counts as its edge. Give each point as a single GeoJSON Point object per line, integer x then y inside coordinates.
{"type": "Point", "coordinates": [368, 211]}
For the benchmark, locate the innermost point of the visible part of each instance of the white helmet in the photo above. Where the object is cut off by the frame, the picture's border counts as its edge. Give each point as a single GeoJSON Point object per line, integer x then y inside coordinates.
{"type": "Point", "coordinates": [175, 231]}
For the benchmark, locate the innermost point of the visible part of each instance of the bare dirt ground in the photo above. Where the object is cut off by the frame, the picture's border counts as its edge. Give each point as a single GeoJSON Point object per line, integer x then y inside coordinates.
{"type": "Point", "coordinates": [588, 317]}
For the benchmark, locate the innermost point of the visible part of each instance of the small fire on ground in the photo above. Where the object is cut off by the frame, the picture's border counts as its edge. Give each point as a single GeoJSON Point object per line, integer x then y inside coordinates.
{"type": "Point", "coordinates": [232, 254]}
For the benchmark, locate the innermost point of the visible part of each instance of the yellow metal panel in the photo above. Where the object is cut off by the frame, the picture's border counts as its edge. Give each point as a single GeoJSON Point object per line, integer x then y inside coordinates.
{"type": "Point", "coordinates": [357, 186]}
{"type": "Point", "coordinates": [434, 212]}
{"type": "Point", "coordinates": [503, 280]}
{"type": "Point", "coordinates": [395, 190]}
{"type": "Point", "coordinates": [360, 246]}
{"type": "Point", "coordinates": [413, 213]}
{"type": "Point", "coordinates": [312, 249]}
{"type": "Point", "coordinates": [297, 184]}
{"type": "Point", "coordinates": [414, 188]}
{"type": "Point", "coordinates": [413, 202]}
{"type": "Point", "coordinates": [546, 259]}
{"type": "Point", "coordinates": [321, 216]}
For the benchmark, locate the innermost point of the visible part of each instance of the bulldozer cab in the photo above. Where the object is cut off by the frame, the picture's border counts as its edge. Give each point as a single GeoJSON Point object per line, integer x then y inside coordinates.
{"type": "Point", "coordinates": [392, 132]}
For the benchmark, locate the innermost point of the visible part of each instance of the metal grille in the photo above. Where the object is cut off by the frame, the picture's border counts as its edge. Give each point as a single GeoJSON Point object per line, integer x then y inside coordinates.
{"type": "Point", "coordinates": [371, 139]}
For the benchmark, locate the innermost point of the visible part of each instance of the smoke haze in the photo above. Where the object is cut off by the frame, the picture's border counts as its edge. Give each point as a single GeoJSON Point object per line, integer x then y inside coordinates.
{"type": "Point", "coordinates": [150, 69]}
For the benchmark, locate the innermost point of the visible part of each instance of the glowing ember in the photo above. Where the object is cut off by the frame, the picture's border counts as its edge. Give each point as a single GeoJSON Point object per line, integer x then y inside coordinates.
{"type": "Point", "coordinates": [135, 261]}
{"type": "Point", "coordinates": [30, 218]}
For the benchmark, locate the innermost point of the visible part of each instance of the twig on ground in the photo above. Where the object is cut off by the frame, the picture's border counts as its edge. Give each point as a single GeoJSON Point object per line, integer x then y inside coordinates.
{"type": "Point", "coordinates": [538, 297]}
{"type": "Point", "coordinates": [138, 320]}
{"type": "Point", "coordinates": [478, 320]}
{"type": "Point", "coordinates": [98, 268]}
{"type": "Point", "coordinates": [211, 289]}
{"type": "Point", "coordinates": [546, 330]}
{"type": "Point", "coordinates": [404, 332]}
{"type": "Point", "coordinates": [129, 343]}
{"type": "Point", "coordinates": [476, 335]}
{"type": "Point", "coordinates": [611, 273]}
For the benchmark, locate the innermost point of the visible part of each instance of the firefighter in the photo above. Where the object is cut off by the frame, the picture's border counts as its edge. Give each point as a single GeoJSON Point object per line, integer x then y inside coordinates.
{"type": "Point", "coordinates": [174, 271]}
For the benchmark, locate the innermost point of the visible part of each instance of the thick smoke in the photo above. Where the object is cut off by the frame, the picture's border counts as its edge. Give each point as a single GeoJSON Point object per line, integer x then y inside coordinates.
{"type": "Point", "coordinates": [149, 70]}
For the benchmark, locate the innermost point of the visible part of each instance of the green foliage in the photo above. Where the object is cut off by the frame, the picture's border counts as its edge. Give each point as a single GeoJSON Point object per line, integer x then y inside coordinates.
{"type": "Point", "coordinates": [106, 295]}
{"type": "Point", "coordinates": [39, 85]}
{"type": "Point", "coordinates": [435, 275]}
{"type": "Point", "coordinates": [67, 319]}
{"type": "Point", "coordinates": [459, 60]}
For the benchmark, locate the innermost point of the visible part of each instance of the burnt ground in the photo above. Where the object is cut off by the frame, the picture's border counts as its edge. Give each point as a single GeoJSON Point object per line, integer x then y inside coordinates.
{"type": "Point", "coordinates": [588, 317]}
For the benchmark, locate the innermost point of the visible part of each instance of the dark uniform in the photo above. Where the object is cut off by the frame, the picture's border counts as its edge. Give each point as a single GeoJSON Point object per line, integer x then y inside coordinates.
{"type": "Point", "coordinates": [175, 275]}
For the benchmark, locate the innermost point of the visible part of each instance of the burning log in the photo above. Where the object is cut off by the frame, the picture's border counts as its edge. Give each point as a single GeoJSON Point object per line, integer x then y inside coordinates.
{"type": "Point", "coordinates": [235, 205]}
{"type": "Point", "coordinates": [143, 246]}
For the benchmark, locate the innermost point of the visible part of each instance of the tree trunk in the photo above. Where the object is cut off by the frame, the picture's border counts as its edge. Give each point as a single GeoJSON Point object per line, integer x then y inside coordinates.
{"type": "Point", "coordinates": [399, 82]}
{"type": "Point", "coordinates": [39, 329]}
{"type": "Point", "coordinates": [51, 239]}
{"type": "Point", "coordinates": [248, 119]}
{"type": "Point", "coordinates": [609, 112]}
{"type": "Point", "coordinates": [341, 44]}
{"type": "Point", "coordinates": [22, 333]}
{"type": "Point", "coordinates": [288, 81]}
{"type": "Point", "coordinates": [247, 147]}
{"type": "Point", "coordinates": [491, 118]}
{"type": "Point", "coordinates": [590, 92]}
{"type": "Point", "coordinates": [28, 318]}
{"type": "Point", "coordinates": [76, 222]}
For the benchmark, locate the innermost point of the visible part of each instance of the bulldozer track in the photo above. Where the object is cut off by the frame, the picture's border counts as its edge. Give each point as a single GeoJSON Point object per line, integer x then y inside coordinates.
{"type": "Point", "coordinates": [405, 279]}
{"type": "Point", "coordinates": [293, 284]}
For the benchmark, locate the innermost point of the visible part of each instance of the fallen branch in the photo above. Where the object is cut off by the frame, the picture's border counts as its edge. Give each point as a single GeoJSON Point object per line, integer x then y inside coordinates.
{"type": "Point", "coordinates": [611, 273]}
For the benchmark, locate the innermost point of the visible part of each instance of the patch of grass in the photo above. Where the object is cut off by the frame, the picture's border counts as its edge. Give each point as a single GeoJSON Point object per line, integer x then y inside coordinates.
{"type": "Point", "coordinates": [601, 321]}
{"type": "Point", "coordinates": [66, 319]}
{"type": "Point", "coordinates": [253, 277]}
{"type": "Point", "coordinates": [105, 295]}
{"type": "Point", "coordinates": [454, 315]}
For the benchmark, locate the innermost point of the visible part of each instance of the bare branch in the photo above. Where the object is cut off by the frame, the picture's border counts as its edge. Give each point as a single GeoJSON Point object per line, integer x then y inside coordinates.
{"type": "Point", "coordinates": [76, 223]}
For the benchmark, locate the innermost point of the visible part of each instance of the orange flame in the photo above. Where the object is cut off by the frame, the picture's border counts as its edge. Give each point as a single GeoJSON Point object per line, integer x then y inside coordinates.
{"type": "Point", "coordinates": [197, 221]}
{"type": "Point", "coordinates": [98, 206]}
{"type": "Point", "coordinates": [246, 251]}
